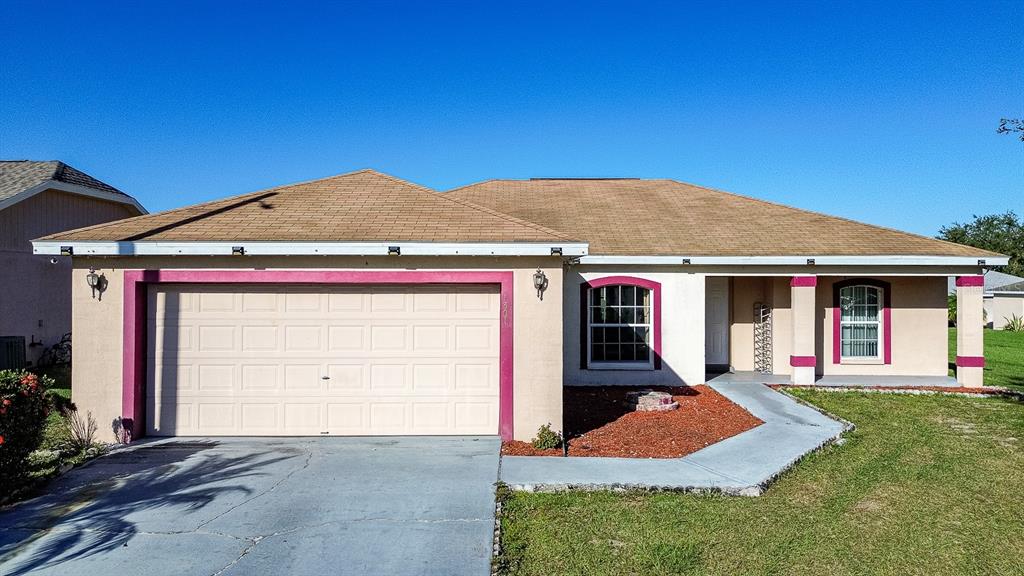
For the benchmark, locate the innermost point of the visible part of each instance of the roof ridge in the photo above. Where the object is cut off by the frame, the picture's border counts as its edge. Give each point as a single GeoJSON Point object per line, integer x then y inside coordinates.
{"type": "Point", "coordinates": [816, 213]}
{"type": "Point", "coordinates": [202, 205]}
{"type": "Point", "coordinates": [471, 205]}
{"type": "Point", "coordinates": [472, 184]}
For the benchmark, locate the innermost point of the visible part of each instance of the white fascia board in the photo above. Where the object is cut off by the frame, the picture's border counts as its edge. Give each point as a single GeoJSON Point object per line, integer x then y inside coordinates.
{"type": "Point", "coordinates": [72, 189]}
{"type": "Point", "coordinates": [887, 260]}
{"type": "Point", "coordinates": [142, 248]}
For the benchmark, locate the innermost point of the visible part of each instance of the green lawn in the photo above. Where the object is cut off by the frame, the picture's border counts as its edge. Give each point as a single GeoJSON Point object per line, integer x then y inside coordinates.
{"type": "Point", "coordinates": [925, 485]}
{"type": "Point", "coordinates": [1004, 357]}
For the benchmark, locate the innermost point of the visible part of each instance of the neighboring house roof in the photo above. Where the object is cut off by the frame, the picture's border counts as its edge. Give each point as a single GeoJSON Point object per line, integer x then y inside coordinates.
{"type": "Point", "coordinates": [1017, 287]}
{"type": "Point", "coordinates": [993, 281]}
{"type": "Point", "coordinates": [362, 206]}
{"type": "Point", "coordinates": [632, 217]}
{"type": "Point", "coordinates": [22, 179]}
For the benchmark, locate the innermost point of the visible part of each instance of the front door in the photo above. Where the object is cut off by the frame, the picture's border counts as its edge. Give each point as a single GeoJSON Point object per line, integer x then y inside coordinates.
{"type": "Point", "coordinates": [716, 321]}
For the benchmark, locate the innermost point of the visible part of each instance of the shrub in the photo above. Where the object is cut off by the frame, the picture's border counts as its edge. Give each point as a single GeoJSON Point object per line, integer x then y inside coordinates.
{"type": "Point", "coordinates": [1014, 324]}
{"type": "Point", "coordinates": [23, 409]}
{"type": "Point", "coordinates": [80, 431]}
{"type": "Point", "coordinates": [547, 438]}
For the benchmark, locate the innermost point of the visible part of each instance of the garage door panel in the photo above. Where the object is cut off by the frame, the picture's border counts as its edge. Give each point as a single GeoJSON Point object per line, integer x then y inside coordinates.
{"type": "Point", "coordinates": [308, 360]}
{"type": "Point", "coordinates": [347, 379]}
{"type": "Point", "coordinates": [384, 337]}
{"type": "Point", "coordinates": [346, 337]}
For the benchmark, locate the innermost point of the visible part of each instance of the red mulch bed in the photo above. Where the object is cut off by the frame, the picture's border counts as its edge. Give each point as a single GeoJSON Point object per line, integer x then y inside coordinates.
{"type": "Point", "coordinates": [598, 423]}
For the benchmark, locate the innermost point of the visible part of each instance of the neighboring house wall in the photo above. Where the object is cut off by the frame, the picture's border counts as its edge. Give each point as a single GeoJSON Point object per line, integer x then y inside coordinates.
{"type": "Point", "coordinates": [36, 302]}
{"type": "Point", "coordinates": [682, 328]}
{"type": "Point", "coordinates": [1004, 307]}
{"type": "Point", "coordinates": [537, 348]}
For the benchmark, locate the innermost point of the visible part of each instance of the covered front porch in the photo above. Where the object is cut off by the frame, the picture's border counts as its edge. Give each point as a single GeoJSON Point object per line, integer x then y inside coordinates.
{"type": "Point", "coordinates": [839, 330]}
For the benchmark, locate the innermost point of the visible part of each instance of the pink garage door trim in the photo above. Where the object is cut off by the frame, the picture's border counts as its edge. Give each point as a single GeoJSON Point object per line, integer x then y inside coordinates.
{"type": "Point", "coordinates": [585, 288]}
{"type": "Point", "coordinates": [133, 398]}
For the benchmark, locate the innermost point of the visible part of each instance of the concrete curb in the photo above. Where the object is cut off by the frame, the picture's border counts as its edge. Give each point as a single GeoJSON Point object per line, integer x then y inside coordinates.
{"type": "Point", "coordinates": [992, 392]}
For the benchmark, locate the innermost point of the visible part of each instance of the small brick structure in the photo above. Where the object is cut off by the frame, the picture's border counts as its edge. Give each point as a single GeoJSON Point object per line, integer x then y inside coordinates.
{"type": "Point", "coordinates": [650, 401]}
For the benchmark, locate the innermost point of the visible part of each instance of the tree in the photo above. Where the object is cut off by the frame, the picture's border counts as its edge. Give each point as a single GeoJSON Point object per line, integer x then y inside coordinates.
{"type": "Point", "coordinates": [1003, 233]}
{"type": "Point", "coordinates": [1011, 126]}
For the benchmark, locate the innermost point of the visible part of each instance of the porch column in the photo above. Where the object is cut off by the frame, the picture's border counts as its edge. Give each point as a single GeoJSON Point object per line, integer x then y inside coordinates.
{"type": "Point", "coordinates": [802, 360]}
{"type": "Point", "coordinates": [970, 349]}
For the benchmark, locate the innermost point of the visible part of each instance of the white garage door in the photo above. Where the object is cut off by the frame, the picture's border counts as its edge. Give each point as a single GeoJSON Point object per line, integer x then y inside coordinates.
{"type": "Point", "coordinates": [309, 360]}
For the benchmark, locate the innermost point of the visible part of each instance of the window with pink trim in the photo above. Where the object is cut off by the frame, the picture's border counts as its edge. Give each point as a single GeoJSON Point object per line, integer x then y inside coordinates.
{"type": "Point", "coordinates": [861, 315]}
{"type": "Point", "coordinates": [619, 328]}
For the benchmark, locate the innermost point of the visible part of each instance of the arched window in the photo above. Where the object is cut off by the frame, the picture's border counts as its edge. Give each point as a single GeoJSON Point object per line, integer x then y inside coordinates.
{"type": "Point", "coordinates": [620, 326]}
{"type": "Point", "coordinates": [860, 321]}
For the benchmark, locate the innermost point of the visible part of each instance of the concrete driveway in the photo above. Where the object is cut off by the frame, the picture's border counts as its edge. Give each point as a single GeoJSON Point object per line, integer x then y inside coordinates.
{"type": "Point", "coordinates": [265, 506]}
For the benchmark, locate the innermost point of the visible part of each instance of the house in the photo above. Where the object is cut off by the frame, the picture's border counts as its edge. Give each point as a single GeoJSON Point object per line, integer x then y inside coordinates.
{"type": "Point", "coordinates": [1007, 302]}
{"type": "Point", "coordinates": [365, 304]}
{"type": "Point", "coordinates": [38, 198]}
{"type": "Point", "coordinates": [993, 281]}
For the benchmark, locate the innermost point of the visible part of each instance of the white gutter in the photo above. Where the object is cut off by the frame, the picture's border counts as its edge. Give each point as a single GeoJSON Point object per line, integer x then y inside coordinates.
{"type": "Point", "coordinates": [887, 260]}
{"type": "Point", "coordinates": [143, 248]}
{"type": "Point", "coordinates": [72, 189]}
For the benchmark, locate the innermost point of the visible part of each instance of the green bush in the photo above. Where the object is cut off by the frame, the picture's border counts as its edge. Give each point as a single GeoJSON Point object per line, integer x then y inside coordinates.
{"type": "Point", "coordinates": [1014, 324]}
{"type": "Point", "coordinates": [547, 438]}
{"type": "Point", "coordinates": [23, 410]}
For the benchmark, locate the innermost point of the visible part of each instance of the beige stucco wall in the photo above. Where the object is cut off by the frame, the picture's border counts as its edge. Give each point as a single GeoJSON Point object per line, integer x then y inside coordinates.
{"type": "Point", "coordinates": [919, 325]}
{"type": "Point", "coordinates": [1004, 307]}
{"type": "Point", "coordinates": [745, 292]}
{"type": "Point", "coordinates": [919, 328]}
{"type": "Point", "coordinates": [37, 301]}
{"type": "Point", "coordinates": [682, 328]}
{"type": "Point", "coordinates": [537, 362]}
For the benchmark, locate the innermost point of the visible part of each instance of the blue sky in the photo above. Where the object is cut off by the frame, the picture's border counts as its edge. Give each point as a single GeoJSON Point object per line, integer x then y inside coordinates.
{"type": "Point", "coordinates": [858, 109]}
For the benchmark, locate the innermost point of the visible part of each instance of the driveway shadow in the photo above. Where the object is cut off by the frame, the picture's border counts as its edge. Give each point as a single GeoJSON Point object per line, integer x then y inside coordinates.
{"type": "Point", "coordinates": [97, 508]}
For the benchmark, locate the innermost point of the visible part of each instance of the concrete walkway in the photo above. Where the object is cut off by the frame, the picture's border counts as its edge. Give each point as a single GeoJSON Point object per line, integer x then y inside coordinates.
{"type": "Point", "coordinates": [744, 464]}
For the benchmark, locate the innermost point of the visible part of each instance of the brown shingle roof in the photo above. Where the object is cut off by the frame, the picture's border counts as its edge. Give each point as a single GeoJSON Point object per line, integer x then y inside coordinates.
{"type": "Point", "coordinates": [633, 217]}
{"type": "Point", "coordinates": [359, 206]}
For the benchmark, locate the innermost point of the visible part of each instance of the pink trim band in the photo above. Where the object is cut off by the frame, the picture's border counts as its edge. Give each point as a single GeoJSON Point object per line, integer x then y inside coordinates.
{"type": "Point", "coordinates": [970, 361]}
{"type": "Point", "coordinates": [651, 285]}
{"type": "Point", "coordinates": [133, 395]}
{"type": "Point", "coordinates": [803, 281]}
{"type": "Point", "coordinates": [803, 361]}
{"type": "Point", "coordinates": [970, 280]}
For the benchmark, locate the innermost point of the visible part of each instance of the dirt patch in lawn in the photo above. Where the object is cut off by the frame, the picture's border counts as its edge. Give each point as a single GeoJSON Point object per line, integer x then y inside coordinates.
{"type": "Point", "coordinates": [599, 423]}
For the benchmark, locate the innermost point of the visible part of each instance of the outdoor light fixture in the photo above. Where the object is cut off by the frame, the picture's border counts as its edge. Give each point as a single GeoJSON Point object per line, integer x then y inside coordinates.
{"type": "Point", "coordinates": [238, 250]}
{"type": "Point", "coordinates": [66, 250]}
{"type": "Point", "coordinates": [686, 260]}
{"type": "Point", "coordinates": [540, 282]}
{"type": "Point", "coordinates": [96, 282]}
{"type": "Point", "coordinates": [556, 251]}
{"type": "Point", "coordinates": [810, 261]}
{"type": "Point", "coordinates": [394, 251]}
{"type": "Point", "coordinates": [981, 262]}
